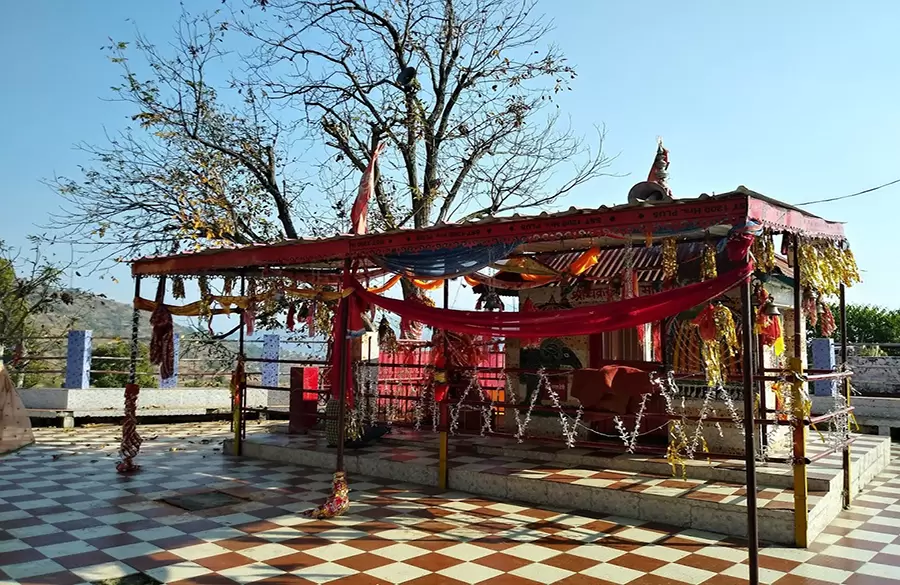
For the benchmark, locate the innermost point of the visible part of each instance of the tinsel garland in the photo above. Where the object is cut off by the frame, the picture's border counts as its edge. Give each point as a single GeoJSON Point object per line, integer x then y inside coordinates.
{"type": "Point", "coordinates": [203, 285]}
{"type": "Point", "coordinates": [628, 276]}
{"type": "Point", "coordinates": [486, 413]}
{"type": "Point", "coordinates": [522, 425]}
{"type": "Point", "coordinates": [569, 433]}
{"type": "Point", "coordinates": [669, 259]}
{"type": "Point", "coordinates": [178, 287]}
{"type": "Point", "coordinates": [708, 270]}
{"type": "Point", "coordinates": [763, 250]}
{"type": "Point", "coordinates": [720, 341]}
{"type": "Point", "coordinates": [825, 265]}
{"type": "Point", "coordinates": [387, 339]}
{"type": "Point", "coordinates": [455, 410]}
{"type": "Point", "coordinates": [630, 439]}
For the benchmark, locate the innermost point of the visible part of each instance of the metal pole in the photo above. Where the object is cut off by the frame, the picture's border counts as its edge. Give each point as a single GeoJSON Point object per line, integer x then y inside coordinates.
{"type": "Point", "coordinates": [238, 406]}
{"type": "Point", "coordinates": [749, 426]}
{"type": "Point", "coordinates": [846, 383]}
{"type": "Point", "coordinates": [801, 485]}
{"type": "Point", "coordinates": [763, 403]}
{"type": "Point", "coordinates": [341, 342]}
{"type": "Point", "coordinates": [444, 445]}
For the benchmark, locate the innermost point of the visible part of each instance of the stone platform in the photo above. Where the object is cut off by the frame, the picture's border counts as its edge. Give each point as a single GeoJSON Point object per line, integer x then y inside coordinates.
{"type": "Point", "coordinates": [711, 497]}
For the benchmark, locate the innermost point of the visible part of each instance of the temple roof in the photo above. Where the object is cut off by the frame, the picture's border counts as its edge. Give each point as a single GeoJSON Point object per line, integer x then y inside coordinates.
{"type": "Point", "coordinates": [571, 230]}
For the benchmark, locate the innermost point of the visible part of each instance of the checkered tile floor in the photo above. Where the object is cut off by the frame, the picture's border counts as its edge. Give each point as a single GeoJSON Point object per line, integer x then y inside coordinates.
{"type": "Point", "coordinates": [67, 518]}
{"type": "Point", "coordinates": [415, 453]}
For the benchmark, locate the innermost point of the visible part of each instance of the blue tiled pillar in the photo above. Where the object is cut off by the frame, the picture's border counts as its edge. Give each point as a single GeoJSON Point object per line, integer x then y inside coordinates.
{"type": "Point", "coordinates": [172, 382]}
{"type": "Point", "coordinates": [823, 359]}
{"type": "Point", "coordinates": [271, 351]}
{"type": "Point", "coordinates": [78, 359]}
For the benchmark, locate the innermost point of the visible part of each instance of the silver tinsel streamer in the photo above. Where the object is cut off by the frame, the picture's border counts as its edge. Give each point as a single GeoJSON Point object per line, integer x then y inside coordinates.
{"type": "Point", "coordinates": [454, 411]}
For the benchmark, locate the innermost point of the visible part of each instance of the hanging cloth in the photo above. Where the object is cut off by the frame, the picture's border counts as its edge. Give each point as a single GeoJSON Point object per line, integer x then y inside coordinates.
{"type": "Point", "coordinates": [579, 321]}
{"type": "Point", "coordinates": [447, 262]}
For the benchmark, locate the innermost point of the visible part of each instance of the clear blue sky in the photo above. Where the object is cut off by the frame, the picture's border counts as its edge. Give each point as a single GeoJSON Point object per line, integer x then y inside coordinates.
{"type": "Point", "coordinates": [797, 100]}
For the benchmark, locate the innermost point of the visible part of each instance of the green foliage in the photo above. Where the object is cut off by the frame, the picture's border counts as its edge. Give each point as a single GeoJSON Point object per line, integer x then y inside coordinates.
{"type": "Point", "coordinates": [106, 373]}
{"type": "Point", "coordinates": [869, 324]}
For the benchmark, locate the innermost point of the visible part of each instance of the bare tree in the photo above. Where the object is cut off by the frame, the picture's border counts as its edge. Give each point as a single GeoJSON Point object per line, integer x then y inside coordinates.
{"type": "Point", "coordinates": [196, 168]}
{"type": "Point", "coordinates": [459, 90]}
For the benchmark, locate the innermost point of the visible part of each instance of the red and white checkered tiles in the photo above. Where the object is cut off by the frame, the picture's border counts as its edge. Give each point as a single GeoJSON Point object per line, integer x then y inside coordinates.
{"type": "Point", "coordinates": [67, 518]}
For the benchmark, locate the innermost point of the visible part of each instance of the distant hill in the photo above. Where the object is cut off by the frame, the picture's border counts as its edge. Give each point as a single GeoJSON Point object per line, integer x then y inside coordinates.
{"type": "Point", "coordinates": [105, 317]}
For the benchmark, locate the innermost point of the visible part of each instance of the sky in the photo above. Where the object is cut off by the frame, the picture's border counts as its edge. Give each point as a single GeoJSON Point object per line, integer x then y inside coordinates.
{"type": "Point", "coordinates": [796, 100]}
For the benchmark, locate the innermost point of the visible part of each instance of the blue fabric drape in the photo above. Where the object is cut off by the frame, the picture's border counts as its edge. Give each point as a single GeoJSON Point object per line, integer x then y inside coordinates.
{"type": "Point", "coordinates": [447, 262]}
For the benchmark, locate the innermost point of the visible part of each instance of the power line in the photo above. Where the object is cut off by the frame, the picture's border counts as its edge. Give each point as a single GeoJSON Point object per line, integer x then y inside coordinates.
{"type": "Point", "coordinates": [857, 194]}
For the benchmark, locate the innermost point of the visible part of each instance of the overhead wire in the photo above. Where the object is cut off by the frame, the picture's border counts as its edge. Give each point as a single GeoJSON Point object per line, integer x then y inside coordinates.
{"type": "Point", "coordinates": [857, 194]}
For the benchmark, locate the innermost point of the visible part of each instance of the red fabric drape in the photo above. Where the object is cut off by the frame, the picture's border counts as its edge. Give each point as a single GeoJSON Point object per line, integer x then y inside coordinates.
{"type": "Point", "coordinates": [579, 321]}
{"type": "Point", "coordinates": [355, 307]}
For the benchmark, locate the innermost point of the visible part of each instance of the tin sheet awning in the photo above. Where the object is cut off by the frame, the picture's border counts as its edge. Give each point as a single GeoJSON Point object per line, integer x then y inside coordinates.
{"type": "Point", "coordinates": [610, 225]}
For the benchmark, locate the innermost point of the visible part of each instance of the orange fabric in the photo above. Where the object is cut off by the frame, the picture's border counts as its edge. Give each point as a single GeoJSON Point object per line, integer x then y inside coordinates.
{"type": "Point", "coordinates": [611, 387]}
{"type": "Point", "coordinates": [428, 284]}
{"type": "Point", "coordinates": [386, 286]}
{"type": "Point", "coordinates": [538, 278]}
{"type": "Point", "coordinates": [587, 260]}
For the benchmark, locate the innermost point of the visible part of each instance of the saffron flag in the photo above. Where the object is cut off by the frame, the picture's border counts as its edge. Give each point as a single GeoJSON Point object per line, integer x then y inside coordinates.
{"type": "Point", "coordinates": [360, 209]}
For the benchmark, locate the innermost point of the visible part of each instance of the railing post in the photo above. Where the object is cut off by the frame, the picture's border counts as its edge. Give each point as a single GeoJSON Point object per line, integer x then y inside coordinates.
{"type": "Point", "coordinates": [823, 359]}
{"type": "Point", "coordinates": [271, 351]}
{"type": "Point", "coordinates": [78, 359]}
{"type": "Point", "coordinates": [172, 381]}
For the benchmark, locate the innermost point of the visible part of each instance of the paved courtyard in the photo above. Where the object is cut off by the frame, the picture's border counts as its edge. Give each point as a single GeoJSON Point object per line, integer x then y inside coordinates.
{"type": "Point", "coordinates": [67, 518]}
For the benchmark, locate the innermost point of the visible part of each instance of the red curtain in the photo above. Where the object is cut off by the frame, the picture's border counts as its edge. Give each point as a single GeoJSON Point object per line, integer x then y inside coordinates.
{"type": "Point", "coordinates": [579, 321]}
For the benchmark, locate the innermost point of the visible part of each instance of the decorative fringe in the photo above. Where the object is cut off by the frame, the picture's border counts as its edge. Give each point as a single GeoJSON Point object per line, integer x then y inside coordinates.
{"type": "Point", "coordinates": [178, 287]}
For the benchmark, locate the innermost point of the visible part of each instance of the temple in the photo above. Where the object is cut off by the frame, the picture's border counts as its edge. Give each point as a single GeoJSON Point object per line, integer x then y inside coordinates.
{"type": "Point", "coordinates": [646, 359]}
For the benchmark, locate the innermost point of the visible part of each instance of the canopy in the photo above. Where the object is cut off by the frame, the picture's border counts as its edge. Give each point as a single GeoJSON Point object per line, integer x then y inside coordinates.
{"type": "Point", "coordinates": [575, 228]}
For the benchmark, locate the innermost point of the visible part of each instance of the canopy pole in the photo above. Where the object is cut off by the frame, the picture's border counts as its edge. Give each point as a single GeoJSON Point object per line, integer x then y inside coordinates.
{"type": "Point", "coordinates": [444, 445]}
{"type": "Point", "coordinates": [801, 485]}
{"type": "Point", "coordinates": [846, 383]}
{"type": "Point", "coordinates": [749, 427]}
{"type": "Point", "coordinates": [237, 400]}
{"type": "Point", "coordinates": [342, 338]}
